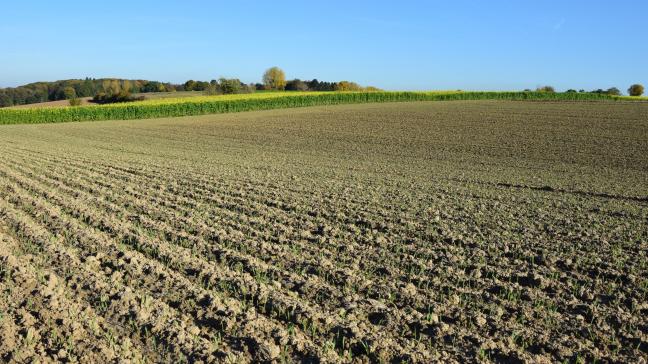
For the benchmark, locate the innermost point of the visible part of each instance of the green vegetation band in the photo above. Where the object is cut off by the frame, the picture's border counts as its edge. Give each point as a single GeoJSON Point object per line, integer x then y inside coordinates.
{"type": "Point", "coordinates": [217, 106]}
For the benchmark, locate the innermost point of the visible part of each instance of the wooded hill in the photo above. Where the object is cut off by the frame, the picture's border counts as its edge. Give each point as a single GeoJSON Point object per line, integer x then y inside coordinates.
{"type": "Point", "coordinates": [67, 89]}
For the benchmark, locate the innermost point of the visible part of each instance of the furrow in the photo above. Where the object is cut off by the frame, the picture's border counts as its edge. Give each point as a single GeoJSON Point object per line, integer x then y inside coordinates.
{"type": "Point", "coordinates": [232, 315]}
{"type": "Point", "coordinates": [46, 320]}
{"type": "Point", "coordinates": [304, 316]}
{"type": "Point", "coordinates": [137, 316]}
{"type": "Point", "coordinates": [332, 275]}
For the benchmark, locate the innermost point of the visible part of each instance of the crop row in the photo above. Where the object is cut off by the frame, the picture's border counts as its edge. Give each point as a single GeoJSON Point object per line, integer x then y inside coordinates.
{"type": "Point", "coordinates": [261, 239]}
{"type": "Point", "coordinates": [170, 233]}
{"type": "Point", "coordinates": [277, 306]}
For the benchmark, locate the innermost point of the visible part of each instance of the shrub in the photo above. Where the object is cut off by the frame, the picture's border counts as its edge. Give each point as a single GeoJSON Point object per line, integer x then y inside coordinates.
{"type": "Point", "coordinates": [296, 85]}
{"type": "Point", "coordinates": [69, 93]}
{"type": "Point", "coordinates": [546, 89]}
{"type": "Point", "coordinates": [121, 96]}
{"type": "Point", "coordinates": [75, 101]}
{"type": "Point", "coordinates": [347, 86]}
{"type": "Point", "coordinates": [229, 86]}
{"type": "Point", "coordinates": [189, 85]}
{"type": "Point", "coordinates": [613, 91]}
{"type": "Point", "coordinates": [247, 89]}
{"type": "Point", "coordinates": [212, 89]}
{"type": "Point", "coordinates": [636, 90]}
{"type": "Point", "coordinates": [5, 100]}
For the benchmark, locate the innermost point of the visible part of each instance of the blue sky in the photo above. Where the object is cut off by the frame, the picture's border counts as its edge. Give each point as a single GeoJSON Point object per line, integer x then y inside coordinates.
{"type": "Point", "coordinates": [494, 45]}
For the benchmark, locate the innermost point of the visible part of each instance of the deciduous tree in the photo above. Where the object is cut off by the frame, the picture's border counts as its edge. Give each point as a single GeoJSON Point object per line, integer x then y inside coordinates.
{"type": "Point", "coordinates": [636, 90]}
{"type": "Point", "coordinates": [69, 93]}
{"type": "Point", "coordinates": [296, 85]}
{"type": "Point", "coordinates": [274, 78]}
{"type": "Point", "coordinates": [347, 86]}
{"type": "Point", "coordinates": [613, 91]}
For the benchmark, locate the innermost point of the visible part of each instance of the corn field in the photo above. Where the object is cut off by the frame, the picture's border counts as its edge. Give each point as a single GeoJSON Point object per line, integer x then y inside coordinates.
{"type": "Point", "coordinates": [172, 107]}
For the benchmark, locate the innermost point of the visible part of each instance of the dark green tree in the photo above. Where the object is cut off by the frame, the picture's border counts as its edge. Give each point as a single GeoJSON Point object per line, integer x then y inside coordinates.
{"type": "Point", "coordinates": [69, 93]}
{"type": "Point", "coordinates": [190, 85]}
{"type": "Point", "coordinates": [613, 91]}
{"type": "Point", "coordinates": [636, 90]}
{"type": "Point", "coordinates": [296, 85]}
{"type": "Point", "coordinates": [229, 86]}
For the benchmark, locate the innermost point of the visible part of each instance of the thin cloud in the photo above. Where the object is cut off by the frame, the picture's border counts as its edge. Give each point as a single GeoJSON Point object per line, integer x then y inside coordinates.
{"type": "Point", "coordinates": [559, 24]}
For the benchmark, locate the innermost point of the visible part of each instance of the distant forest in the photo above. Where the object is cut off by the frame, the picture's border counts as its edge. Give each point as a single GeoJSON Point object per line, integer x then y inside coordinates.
{"type": "Point", "coordinates": [66, 89]}
{"type": "Point", "coordinates": [90, 87]}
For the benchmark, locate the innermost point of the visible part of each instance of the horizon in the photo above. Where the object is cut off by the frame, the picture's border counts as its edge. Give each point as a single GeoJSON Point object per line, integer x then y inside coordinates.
{"type": "Point", "coordinates": [412, 46]}
{"type": "Point", "coordinates": [493, 209]}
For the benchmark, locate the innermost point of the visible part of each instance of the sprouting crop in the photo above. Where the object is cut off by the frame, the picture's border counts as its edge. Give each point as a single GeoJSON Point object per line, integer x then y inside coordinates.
{"type": "Point", "coordinates": [408, 232]}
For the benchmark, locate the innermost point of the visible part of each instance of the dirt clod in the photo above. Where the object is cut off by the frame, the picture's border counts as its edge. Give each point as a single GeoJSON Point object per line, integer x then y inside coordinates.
{"type": "Point", "coordinates": [466, 231]}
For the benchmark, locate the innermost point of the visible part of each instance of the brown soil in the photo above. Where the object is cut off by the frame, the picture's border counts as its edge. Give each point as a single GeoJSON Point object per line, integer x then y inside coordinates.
{"type": "Point", "coordinates": [412, 232]}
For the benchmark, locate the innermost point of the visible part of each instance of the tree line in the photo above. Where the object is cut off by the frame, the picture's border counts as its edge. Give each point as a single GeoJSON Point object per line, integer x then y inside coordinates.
{"type": "Point", "coordinates": [274, 79]}
{"type": "Point", "coordinates": [110, 90]}
{"type": "Point", "coordinates": [73, 89]}
{"type": "Point", "coordinates": [634, 90]}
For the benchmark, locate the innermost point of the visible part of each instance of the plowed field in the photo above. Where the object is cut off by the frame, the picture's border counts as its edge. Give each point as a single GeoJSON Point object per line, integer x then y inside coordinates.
{"type": "Point", "coordinates": [410, 232]}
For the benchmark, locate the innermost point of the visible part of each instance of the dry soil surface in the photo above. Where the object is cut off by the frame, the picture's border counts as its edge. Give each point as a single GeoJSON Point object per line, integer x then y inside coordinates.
{"type": "Point", "coordinates": [413, 232]}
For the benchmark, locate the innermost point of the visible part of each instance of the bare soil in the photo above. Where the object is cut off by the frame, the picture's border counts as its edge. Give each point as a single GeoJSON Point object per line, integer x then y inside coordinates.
{"type": "Point", "coordinates": [475, 231]}
{"type": "Point", "coordinates": [59, 103]}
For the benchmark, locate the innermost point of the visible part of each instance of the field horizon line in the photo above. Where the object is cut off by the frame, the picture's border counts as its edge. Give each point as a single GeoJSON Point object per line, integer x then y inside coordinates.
{"type": "Point", "coordinates": [205, 105]}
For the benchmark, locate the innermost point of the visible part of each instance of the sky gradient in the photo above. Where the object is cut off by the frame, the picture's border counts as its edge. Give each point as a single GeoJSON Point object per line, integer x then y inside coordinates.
{"type": "Point", "coordinates": [395, 45]}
